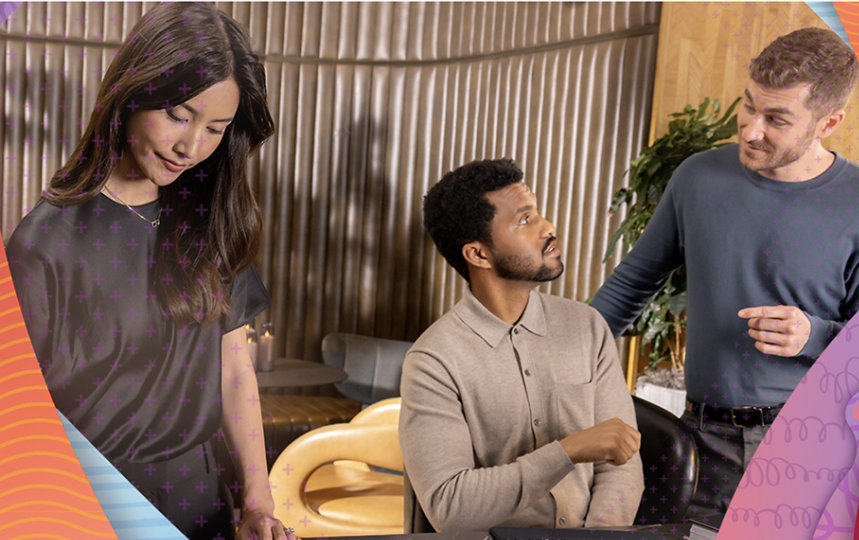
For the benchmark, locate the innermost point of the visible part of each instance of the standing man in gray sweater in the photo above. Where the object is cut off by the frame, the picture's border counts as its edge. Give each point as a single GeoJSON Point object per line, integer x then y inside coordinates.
{"type": "Point", "coordinates": [515, 411]}
{"type": "Point", "coordinates": [769, 233]}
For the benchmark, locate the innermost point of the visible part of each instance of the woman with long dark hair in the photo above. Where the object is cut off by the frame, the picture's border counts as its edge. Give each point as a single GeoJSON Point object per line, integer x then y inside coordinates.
{"type": "Point", "coordinates": [134, 270]}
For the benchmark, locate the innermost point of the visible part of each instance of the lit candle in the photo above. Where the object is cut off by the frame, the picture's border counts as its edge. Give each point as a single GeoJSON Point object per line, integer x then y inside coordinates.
{"type": "Point", "coordinates": [253, 347]}
{"type": "Point", "coordinates": [266, 344]}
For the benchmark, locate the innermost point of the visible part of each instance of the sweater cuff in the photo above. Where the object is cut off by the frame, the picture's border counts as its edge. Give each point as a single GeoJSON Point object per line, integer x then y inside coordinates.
{"type": "Point", "coordinates": [543, 468]}
{"type": "Point", "coordinates": [822, 333]}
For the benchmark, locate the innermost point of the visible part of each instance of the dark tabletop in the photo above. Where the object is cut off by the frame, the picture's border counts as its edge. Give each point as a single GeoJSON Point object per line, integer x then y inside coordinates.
{"type": "Point", "coordinates": [290, 372]}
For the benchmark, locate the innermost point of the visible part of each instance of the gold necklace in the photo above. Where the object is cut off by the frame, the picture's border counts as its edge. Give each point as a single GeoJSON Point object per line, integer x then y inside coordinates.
{"type": "Point", "coordinates": [154, 222]}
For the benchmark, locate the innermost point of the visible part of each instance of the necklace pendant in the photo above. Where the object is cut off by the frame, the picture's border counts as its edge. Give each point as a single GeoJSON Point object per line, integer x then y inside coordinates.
{"type": "Point", "coordinates": [156, 222]}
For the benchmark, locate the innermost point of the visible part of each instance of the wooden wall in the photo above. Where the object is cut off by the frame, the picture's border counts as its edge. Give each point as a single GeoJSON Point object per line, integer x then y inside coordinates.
{"type": "Point", "coordinates": [705, 49]}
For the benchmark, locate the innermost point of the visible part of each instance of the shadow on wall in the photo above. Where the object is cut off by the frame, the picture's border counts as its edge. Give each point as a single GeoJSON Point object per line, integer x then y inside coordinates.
{"type": "Point", "coordinates": [354, 233]}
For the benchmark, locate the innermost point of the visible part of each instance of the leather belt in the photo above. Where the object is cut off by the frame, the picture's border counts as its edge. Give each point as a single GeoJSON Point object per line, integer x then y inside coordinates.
{"type": "Point", "coordinates": [734, 416]}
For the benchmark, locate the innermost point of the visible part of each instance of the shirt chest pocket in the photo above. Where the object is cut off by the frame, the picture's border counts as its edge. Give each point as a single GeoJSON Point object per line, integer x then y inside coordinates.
{"type": "Point", "coordinates": [573, 405]}
{"type": "Point", "coordinates": [570, 373]}
{"type": "Point", "coordinates": [555, 364]}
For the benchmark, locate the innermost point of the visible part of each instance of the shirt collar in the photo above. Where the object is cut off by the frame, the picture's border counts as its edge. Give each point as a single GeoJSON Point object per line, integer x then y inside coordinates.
{"type": "Point", "coordinates": [492, 329]}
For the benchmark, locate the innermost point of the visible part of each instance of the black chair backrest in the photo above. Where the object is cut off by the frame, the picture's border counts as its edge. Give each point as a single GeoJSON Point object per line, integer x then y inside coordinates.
{"type": "Point", "coordinates": [374, 365]}
{"type": "Point", "coordinates": [669, 456]}
{"type": "Point", "coordinates": [414, 519]}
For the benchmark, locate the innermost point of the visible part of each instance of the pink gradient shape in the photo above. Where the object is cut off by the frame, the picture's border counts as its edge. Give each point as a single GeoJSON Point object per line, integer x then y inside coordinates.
{"type": "Point", "coordinates": [806, 454]}
{"type": "Point", "coordinates": [839, 516]}
{"type": "Point", "coordinates": [6, 9]}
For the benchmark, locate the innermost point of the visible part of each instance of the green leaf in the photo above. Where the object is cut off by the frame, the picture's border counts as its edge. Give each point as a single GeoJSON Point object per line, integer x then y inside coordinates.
{"type": "Point", "coordinates": [702, 108]}
{"type": "Point", "coordinates": [677, 304]}
{"type": "Point", "coordinates": [729, 111]}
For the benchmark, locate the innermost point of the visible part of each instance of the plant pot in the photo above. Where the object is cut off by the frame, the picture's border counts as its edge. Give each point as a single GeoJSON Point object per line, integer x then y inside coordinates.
{"type": "Point", "coordinates": [671, 399]}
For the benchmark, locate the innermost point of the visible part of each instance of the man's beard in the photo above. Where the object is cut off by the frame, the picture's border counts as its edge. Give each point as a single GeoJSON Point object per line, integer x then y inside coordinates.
{"type": "Point", "coordinates": [774, 159]}
{"type": "Point", "coordinates": [516, 267]}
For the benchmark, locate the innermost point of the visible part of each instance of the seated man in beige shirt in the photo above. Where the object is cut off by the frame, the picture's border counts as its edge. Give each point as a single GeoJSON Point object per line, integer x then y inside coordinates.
{"type": "Point", "coordinates": [515, 411]}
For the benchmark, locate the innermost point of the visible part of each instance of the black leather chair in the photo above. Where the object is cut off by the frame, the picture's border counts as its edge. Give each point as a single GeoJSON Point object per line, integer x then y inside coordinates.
{"type": "Point", "coordinates": [414, 519]}
{"type": "Point", "coordinates": [669, 458]}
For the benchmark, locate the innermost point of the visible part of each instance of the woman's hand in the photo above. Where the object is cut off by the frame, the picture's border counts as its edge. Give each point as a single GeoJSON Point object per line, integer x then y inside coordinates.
{"type": "Point", "coordinates": [242, 424]}
{"type": "Point", "coordinates": [259, 525]}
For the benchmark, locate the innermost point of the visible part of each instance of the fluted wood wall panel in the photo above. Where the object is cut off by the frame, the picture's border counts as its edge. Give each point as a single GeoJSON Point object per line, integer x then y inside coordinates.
{"type": "Point", "coordinates": [373, 103]}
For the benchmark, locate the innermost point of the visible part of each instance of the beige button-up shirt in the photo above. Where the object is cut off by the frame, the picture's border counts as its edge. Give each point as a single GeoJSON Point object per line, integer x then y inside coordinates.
{"type": "Point", "coordinates": [485, 404]}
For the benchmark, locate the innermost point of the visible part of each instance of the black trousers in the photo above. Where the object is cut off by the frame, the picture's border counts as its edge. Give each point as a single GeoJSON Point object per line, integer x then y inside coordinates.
{"type": "Point", "coordinates": [188, 491]}
{"type": "Point", "coordinates": [725, 453]}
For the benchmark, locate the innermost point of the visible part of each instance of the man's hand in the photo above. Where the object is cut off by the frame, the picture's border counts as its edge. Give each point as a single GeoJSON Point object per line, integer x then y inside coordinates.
{"type": "Point", "coordinates": [778, 330]}
{"type": "Point", "coordinates": [612, 441]}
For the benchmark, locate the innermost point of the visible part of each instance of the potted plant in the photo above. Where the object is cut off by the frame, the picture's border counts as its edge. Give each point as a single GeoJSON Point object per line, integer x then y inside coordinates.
{"type": "Point", "coordinates": [661, 325]}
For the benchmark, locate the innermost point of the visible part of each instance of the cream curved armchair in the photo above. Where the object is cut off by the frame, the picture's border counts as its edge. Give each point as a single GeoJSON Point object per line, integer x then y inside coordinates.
{"type": "Point", "coordinates": [328, 482]}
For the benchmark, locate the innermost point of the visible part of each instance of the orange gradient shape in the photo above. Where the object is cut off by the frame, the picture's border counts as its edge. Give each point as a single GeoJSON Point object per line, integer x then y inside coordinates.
{"type": "Point", "coordinates": [44, 492]}
{"type": "Point", "coordinates": [848, 12]}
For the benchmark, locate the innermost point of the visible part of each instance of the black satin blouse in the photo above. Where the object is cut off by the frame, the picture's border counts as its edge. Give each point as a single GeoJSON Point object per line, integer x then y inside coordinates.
{"type": "Point", "coordinates": [137, 385]}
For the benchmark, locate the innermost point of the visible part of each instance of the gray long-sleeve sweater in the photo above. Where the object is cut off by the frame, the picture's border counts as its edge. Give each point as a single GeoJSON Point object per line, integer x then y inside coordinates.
{"type": "Point", "coordinates": [747, 240]}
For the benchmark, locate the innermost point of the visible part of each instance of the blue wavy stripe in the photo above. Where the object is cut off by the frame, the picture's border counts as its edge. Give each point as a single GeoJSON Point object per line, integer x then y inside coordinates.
{"type": "Point", "coordinates": [826, 11]}
{"type": "Point", "coordinates": [149, 524]}
{"type": "Point", "coordinates": [130, 514]}
{"type": "Point", "coordinates": [99, 470]}
{"type": "Point", "coordinates": [125, 505]}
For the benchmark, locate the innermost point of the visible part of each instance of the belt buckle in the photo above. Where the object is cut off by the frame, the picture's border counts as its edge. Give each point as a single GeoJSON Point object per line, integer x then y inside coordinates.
{"type": "Point", "coordinates": [760, 412]}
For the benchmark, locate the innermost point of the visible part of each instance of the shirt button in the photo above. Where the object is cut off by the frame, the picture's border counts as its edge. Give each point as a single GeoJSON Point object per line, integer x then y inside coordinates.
{"type": "Point", "coordinates": [515, 330]}
{"type": "Point", "coordinates": [537, 422]}
{"type": "Point", "coordinates": [528, 372]}
{"type": "Point", "coordinates": [562, 521]}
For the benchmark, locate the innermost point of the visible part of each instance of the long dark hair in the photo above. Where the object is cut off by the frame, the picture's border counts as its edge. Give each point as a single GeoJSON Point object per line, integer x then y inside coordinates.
{"type": "Point", "coordinates": [173, 53]}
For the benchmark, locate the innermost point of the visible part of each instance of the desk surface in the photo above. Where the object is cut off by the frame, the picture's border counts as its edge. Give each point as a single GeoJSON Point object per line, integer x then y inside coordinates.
{"type": "Point", "coordinates": [291, 372]}
{"type": "Point", "coordinates": [461, 535]}
{"type": "Point", "coordinates": [669, 531]}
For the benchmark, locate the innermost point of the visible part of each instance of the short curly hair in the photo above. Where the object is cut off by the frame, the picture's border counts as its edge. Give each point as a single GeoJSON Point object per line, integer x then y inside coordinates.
{"type": "Point", "coordinates": [456, 210]}
{"type": "Point", "coordinates": [814, 56]}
